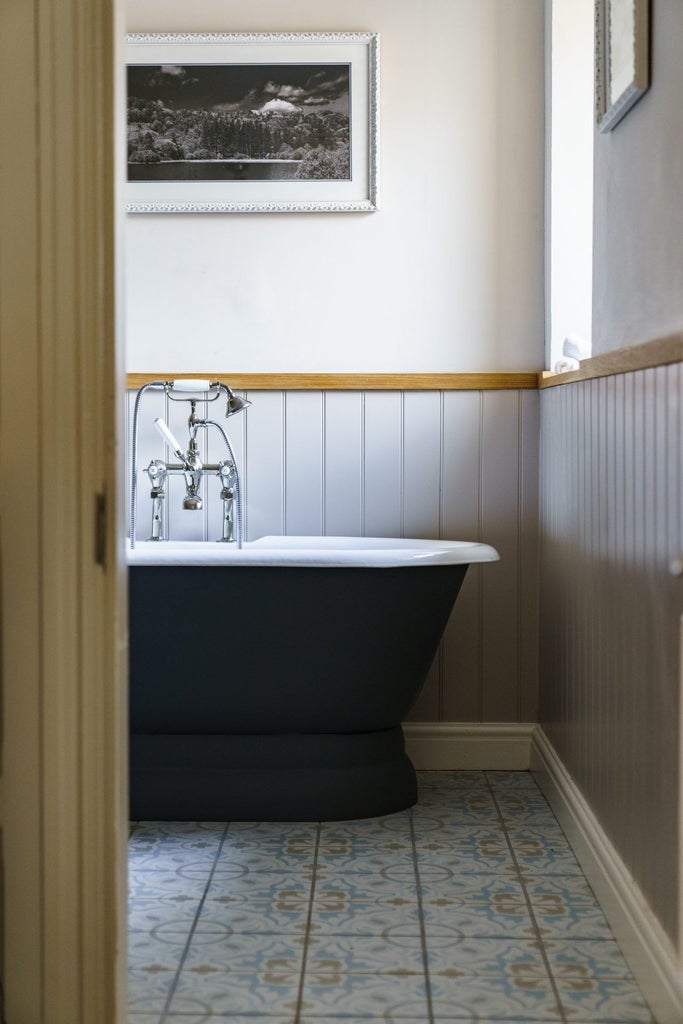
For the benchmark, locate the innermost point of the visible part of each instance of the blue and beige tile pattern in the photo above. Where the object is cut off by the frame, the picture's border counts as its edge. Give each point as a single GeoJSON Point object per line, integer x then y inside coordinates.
{"type": "Point", "coordinates": [468, 907]}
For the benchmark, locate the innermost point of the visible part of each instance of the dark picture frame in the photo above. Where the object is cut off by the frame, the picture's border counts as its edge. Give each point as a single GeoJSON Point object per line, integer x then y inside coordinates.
{"type": "Point", "coordinates": [252, 122]}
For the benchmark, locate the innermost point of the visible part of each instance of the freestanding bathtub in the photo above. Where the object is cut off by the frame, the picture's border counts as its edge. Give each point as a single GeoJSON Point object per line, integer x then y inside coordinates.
{"type": "Point", "coordinates": [270, 682]}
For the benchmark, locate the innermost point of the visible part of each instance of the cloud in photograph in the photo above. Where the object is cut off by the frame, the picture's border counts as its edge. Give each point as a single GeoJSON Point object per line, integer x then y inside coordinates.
{"type": "Point", "coordinates": [234, 87]}
{"type": "Point", "coordinates": [278, 106]}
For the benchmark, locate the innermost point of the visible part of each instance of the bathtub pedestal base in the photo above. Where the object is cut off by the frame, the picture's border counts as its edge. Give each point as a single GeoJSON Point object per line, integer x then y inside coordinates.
{"type": "Point", "coordinates": [270, 777]}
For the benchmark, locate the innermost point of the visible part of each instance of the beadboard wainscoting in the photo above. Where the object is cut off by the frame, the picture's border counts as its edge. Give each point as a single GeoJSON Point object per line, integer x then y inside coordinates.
{"type": "Point", "coordinates": [450, 464]}
{"type": "Point", "coordinates": [651, 955]}
{"type": "Point", "coordinates": [611, 524]}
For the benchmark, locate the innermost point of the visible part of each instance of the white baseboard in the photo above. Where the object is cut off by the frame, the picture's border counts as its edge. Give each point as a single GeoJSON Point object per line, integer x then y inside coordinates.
{"type": "Point", "coordinates": [486, 745]}
{"type": "Point", "coordinates": [647, 948]}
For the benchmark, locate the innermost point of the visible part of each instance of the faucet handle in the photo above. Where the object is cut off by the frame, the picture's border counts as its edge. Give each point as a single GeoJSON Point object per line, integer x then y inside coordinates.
{"type": "Point", "coordinates": [169, 438]}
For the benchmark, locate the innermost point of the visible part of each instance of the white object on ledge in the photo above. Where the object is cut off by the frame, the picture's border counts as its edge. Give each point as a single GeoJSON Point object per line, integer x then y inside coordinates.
{"type": "Point", "coordinates": [565, 364]}
{"type": "Point", "coordinates": [575, 347]}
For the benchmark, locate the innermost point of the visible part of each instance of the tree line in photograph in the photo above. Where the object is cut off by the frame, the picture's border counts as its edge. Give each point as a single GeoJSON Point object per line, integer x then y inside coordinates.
{"type": "Point", "coordinates": [320, 141]}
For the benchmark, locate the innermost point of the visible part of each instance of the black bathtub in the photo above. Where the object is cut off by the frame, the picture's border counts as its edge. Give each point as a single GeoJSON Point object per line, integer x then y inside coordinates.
{"type": "Point", "coordinates": [270, 683]}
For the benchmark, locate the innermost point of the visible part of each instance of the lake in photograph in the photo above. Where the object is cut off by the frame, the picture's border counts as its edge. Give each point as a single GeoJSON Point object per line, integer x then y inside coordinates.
{"type": "Point", "coordinates": [214, 170]}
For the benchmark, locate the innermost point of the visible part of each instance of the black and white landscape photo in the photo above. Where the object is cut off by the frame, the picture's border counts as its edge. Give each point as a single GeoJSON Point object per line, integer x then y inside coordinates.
{"type": "Point", "coordinates": [238, 122]}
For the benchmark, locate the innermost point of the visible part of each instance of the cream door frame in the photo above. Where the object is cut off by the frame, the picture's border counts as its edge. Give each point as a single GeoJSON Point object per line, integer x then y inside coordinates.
{"type": "Point", "coordinates": [63, 715]}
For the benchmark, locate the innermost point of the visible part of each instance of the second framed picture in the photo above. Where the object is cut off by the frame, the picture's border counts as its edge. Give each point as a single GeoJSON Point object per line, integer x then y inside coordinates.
{"type": "Point", "coordinates": [252, 123]}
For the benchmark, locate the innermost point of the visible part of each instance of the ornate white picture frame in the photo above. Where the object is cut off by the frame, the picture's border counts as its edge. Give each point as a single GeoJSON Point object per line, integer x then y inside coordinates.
{"type": "Point", "coordinates": [621, 58]}
{"type": "Point", "coordinates": [252, 122]}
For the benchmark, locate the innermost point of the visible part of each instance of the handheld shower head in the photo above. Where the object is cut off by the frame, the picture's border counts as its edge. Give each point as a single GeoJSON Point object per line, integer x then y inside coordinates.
{"type": "Point", "coordinates": [235, 403]}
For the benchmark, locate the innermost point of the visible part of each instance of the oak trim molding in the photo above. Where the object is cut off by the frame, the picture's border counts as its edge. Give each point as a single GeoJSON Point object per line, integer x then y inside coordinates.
{"type": "Point", "coordinates": [645, 356]}
{"type": "Point", "coordinates": [353, 381]}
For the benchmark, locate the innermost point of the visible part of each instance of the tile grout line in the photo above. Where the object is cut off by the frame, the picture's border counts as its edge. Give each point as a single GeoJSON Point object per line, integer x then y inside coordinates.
{"type": "Point", "coordinates": [174, 984]}
{"type": "Point", "coordinates": [423, 934]}
{"type": "Point", "coordinates": [307, 933]}
{"type": "Point", "coordinates": [534, 923]}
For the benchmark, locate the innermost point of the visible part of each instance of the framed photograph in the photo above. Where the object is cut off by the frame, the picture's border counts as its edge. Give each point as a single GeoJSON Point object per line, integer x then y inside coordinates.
{"type": "Point", "coordinates": [621, 58]}
{"type": "Point", "coordinates": [252, 122]}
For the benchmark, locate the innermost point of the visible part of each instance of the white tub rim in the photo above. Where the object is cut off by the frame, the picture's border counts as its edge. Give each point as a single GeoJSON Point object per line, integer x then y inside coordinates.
{"type": "Point", "coordinates": [310, 551]}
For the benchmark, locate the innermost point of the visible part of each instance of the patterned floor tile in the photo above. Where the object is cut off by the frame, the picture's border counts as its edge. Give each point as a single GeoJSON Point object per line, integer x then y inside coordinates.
{"type": "Point", "coordinates": [512, 780]}
{"type": "Point", "coordinates": [618, 1002]}
{"type": "Point", "coordinates": [385, 1019]}
{"type": "Point", "coordinates": [587, 958]}
{"type": "Point", "coordinates": [569, 889]}
{"type": "Point", "coordinates": [472, 920]}
{"type": "Point", "coordinates": [565, 920]}
{"type": "Point", "coordinates": [505, 907]}
{"type": "Point", "coordinates": [273, 989]}
{"type": "Point", "coordinates": [431, 823]}
{"type": "Point", "coordinates": [188, 880]}
{"type": "Point", "coordinates": [193, 846]}
{"type": "Point", "coordinates": [191, 1004]}
{"type": "Point", "coordinates": [363, 889]}
{"type": "Point", "coordinates": [246, 954]}
{"type": "Point", "coordinates": [149, 987]}
{"type": "Point", "coordinates": [342, 860]}
{"type": "Point", "coordinates": [167, 914]}
{"type": "Point", "coordinates": [498, 957]}
{"type": "Point", "coordinates": [440, 815]}
{"type": "Point", "coordinates": [521, 797]}
{"type": "Point", "coordinates": [492, 998]}
{"type": "Point", "coordinates": [210, 1018]}
{"type": "Point", "coordinates": [363, 954]}
{"type": "Point", "coordinates": [447, 780]}
{"type": "Point", "coordinates": [518, 809]}
{"type": "Point", "coordinates": [235, 861]}
{"type": "Point", "coordinates": [480, 851]}
{"type": "Point", "coordinates": [274, 831]}
{"type": "Point", "coordinates": [567, 907]}
{"type": "Point", "coordinates": [214, 932]}
{"type": "Point", "coordinates": [154, 954]}
{"type": "Point", "coordinates": [335, 912]}
{"type": "Point", "coordinates": [366, 947]}
{"type": "Point", "coordinates": [275, 886]}
{"type": "Point", "coordinates": [368, 828]}
{"type": "Point", "coordinates": [288, 914]}
{"type": "Point", "coordinates": [543, 850]}
{"type": "Point", "coordinates": [464, 808]}
{"type": "Point", "coordinates": [484, 889]}
{"type": "Point", "coordinates": [433, 868]}
{"type": "Point", "coordinates": [365, 995]}
{"type": "Point", "coordinates": [338, 843]}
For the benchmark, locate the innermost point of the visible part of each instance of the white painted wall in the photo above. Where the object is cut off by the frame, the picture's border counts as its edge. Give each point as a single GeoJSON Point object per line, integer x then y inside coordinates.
{"type": "Point", "coordinates": [446, 276]}
{"type": "Point", "coordinates": [571, 173]}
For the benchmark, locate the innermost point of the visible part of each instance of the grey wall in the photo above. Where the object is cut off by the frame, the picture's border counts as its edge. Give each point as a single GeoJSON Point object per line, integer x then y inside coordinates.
{"type": "Point", "coordinates": [638, 257]}
{"type": "Point", "coordinates": [611, 521]}
{"type": "Point", "coordinates": [458, 464]}
{"type": "Point", "coordinates": [612, 501]}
